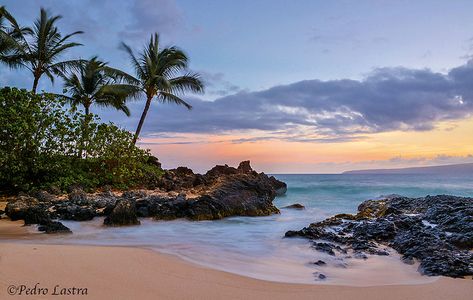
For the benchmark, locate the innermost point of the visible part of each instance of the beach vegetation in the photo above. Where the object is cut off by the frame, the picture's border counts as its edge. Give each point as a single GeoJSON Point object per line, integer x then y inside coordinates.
{"type": "Point", "coordinates": [53, 139]}
{"type": "Point", "coordinates": [43, 144]}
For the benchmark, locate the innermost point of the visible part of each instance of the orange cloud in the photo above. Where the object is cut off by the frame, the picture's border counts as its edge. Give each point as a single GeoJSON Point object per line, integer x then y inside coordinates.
{"type": "Point", "coordinates": [274, 155]}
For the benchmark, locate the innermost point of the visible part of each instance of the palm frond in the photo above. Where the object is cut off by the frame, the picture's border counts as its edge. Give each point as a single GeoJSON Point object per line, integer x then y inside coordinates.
{"type": "Point", "coordinates": [136, 64]}
{"type": "Point", "coordinates": [125, 91]}
{"type": "Point", "coordinates": [14, 61]}
{"type": "Point", "coordinates": [62, 67]}
{"type": "Point", "coordinates": [92, 81]}
{"type": "Point", "coordinates": [171, 98]}
{"type": "Point", "coordinates": [47, 72]}
{"type": "Point", "coordinates": [189, 82]}
{"type": "Point", "coordinates": [115, 100]}
{"type": "Point", "coordinates": [59, 48]}
{"type": "Point", "coordinates": [120, 76]}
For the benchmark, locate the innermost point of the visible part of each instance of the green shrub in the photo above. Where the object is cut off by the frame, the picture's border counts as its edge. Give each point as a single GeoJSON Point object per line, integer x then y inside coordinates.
{"type": "Point", "coordinates": [43, 144]}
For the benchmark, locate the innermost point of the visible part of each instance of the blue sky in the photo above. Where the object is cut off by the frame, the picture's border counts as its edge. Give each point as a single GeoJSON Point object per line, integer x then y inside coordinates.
{"type": "Point", "coordinates": [322, 73]}
{"type": "Point", "coordinates": [253, 45]}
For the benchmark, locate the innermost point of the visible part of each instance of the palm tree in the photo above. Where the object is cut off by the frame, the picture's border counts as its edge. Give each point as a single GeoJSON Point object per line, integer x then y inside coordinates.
{"type": "Point", "coordinates": [93, 82]}
{"type": "Point", "coordinates": [9, 34]}
{"type": "Point", "coordinates": [5, 43]}
{"type": "Point", "coordinates": [39, 48]}
{"type": "Point", "coordinates": [159, 76]}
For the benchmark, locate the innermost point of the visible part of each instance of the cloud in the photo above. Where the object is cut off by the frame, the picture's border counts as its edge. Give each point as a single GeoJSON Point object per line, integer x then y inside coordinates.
{"type": "Point", "coordinates": [311, 110]}
{"type": "Point", "coordinates": [217, 85]}
{"type": "Point", "coordinates": [149, 16]}
{"type": "Point", "coordinates": [388, 99]}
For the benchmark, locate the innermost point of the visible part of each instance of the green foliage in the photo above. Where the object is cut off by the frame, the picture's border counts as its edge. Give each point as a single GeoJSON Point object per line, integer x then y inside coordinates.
{"type": "Point", "coordinates": [42, 144]}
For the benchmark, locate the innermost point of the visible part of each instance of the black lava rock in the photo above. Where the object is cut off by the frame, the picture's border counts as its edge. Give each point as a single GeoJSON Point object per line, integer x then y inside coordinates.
{"type": "Point", "coordinates": [123, 214]}
{"type": "Point", "coordinates": [435, 230]}
{"type": "Point", "coordinates": [54, 227]}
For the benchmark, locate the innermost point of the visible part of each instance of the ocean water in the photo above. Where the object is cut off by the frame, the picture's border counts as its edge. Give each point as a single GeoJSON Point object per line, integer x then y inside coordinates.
{"type": "Point", "coordinates": [255, 247]}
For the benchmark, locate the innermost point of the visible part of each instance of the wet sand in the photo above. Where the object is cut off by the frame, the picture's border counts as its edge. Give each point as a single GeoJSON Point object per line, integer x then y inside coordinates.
{"type": "Point", "coordinates": [135, 273]}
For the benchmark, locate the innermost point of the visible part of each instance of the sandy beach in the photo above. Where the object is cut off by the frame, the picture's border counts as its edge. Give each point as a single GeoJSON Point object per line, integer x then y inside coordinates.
{"type": "Point", "coordinates": [134, 273]}
{"type": "Point", "coordinates": [170, 149]}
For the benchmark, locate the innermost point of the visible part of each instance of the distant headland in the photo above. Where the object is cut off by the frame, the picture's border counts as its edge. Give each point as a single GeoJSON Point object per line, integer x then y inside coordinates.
{"type": "Point", "coordinates": [444, 169]}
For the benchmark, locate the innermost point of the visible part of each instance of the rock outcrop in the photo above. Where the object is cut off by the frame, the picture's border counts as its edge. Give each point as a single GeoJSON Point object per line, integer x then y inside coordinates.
{"type": "Point", "coordinates": [435, 230]}
{"type": "Point", "coordinates": [222, 192]}
{"type": "Point", "coordinates": [35, 211]}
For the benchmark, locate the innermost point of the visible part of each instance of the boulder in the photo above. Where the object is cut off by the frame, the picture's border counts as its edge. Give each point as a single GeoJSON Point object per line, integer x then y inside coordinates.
{"type": "Point", "coordinates": [78, 196]}
{"type": "Point", "coordinates": [236, 194]}
{"type": "Point", "coordinates": [54, 227]}
{"type": "Point", "coordinates": [36, 215]}
{"type": "Point", "coordinates": [123, 214]}
{"type": "Point", "coordinates": [17, 207]}
{"type": "Point", "coordinates": [320, 263]}
{"type": "Point", "coordinates": [295, 206]}
{"type": "Point", "coordinates": [105, 201]}
{"type": "Point", "coordinates": [44, 196]}
{"type": "Point", "coordinates": [71, 211]}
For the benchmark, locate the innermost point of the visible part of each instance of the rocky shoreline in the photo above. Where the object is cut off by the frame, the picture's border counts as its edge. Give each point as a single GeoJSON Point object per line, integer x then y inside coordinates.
{"type": "Point", "coordinates": [222, 192]}
{"type": "Point", "coordinates": [437, 231]}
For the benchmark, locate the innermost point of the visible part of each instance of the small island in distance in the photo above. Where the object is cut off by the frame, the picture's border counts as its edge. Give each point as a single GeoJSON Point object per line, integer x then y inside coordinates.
{"type": "Point", "coordinates": [444, 169]}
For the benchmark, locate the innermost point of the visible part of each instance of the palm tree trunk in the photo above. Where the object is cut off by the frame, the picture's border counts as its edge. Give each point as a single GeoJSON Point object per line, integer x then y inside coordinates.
{"type": "Point", "coordinates": [35, 84]}
{"type": "Point", "coordinates": [142, 119]}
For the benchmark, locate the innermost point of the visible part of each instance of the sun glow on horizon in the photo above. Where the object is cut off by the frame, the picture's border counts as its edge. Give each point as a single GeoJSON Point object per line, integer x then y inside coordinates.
{"type": "Point", "coordinates": [449, 142]}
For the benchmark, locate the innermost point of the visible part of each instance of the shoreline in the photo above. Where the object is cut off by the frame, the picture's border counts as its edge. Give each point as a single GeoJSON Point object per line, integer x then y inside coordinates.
{"type": "Point", "coordinates": [133, 272]}
{"type": "Point", "coordinates": [148, 274]}
{"type": "Point", "coordinates": [125, 272]}
{"type": "Point", "coordinates": [348, 276]}
{"type": "Point", "coordinates": [378, 271]}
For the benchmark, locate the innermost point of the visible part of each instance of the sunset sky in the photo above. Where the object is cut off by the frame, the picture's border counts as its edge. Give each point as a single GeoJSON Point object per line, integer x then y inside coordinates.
{"type": "Point", "coordinates": [294, 86]}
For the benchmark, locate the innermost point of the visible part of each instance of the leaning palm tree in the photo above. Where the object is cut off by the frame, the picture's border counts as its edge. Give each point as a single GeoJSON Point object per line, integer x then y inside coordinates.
{"type": "Point", "coordinates": [39, 49]}
{"type": "Point", "coordinates": [94, 82]}
{"type": "Point", "coordinates": [159, 76]}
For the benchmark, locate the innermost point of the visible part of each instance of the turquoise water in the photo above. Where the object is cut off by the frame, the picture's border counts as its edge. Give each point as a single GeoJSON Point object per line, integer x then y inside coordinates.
{"type": "Point", "coordinates": [255, 247]}
{"type": "Point", "coordinates": [337, 193]}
